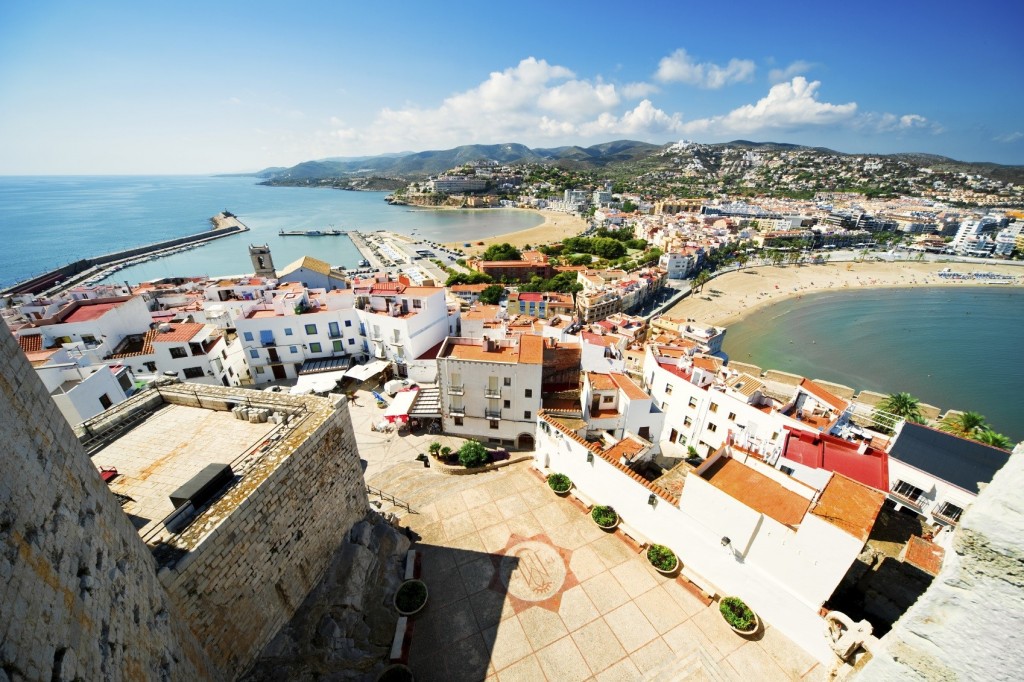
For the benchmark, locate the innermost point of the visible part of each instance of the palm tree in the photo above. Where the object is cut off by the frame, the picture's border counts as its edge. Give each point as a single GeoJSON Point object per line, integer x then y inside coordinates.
{"type": "Point", "coordinates": [963, 423]}
{"type": "Point", "coordinates": [996, 440]}
{"type": "Point", "coordinates": [701, 279]}
{"type": "Point", "coordinates": [903, 405]}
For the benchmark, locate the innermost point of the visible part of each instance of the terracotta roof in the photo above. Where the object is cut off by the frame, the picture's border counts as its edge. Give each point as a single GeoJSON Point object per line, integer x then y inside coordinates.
{"type": "Point", "coordinates": [309, 263]}
{"type": "Point", "coordinates": [820, 393]}
{"type": "Point", "coordinates": [31, 343]}
{"type": "Point", "coordinates": [757, 491]}
{"type": "Point", "coordinates": [600, 339]}
{"type": "Point", "coordinates": [531, 349]}
{"type": "Point", "coordinates": [746, 385]}
{"type": "Point", "coordinates": [182, 332]}
{"type": "Point", "coordinates": [627, 447]}
{"type": "Point", "coordinates": [849, 505]}
{"type": "Point", "coordinates": [481, 312]}
{"type": "Point", "coordinates": [707, 364]}
{"type": "Point", "coordinates": [88, 310]}
{"type": "Point", "coordinates": [924, 555]}
{"type": "Point", "coordinates": [629, 387]}
{"type": "Point", "coordinates": [601, 382]}
{"type": "Point", "coordinates": [468, 288]}
{"type": "Point", "coordinates": [421, 291]}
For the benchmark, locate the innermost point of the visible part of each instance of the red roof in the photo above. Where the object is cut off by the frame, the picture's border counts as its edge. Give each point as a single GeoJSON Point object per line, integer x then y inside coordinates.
{"type": "Point", "coordinates": [821, 451]}
{"type": "Point", "coordinates": [531, 296]}
{"type": "Point", "coordinates": [31, 343]}
{"type": "Point", "coordinates": [820, 393]}
{"type": "Point", "coordinates": [90, 311]}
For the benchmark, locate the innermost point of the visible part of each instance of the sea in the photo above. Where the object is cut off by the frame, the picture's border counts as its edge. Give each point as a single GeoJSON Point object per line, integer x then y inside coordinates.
{"type": "Point", "coordinates": [46, 222]}
{"type": "Point", "coordinates": [955, 348]}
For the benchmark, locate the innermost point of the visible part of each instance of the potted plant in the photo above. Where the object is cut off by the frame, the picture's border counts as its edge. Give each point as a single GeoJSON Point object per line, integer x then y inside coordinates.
{"type": "Point", "coordinates": [663, 559]}
{"type": "Point", "coordinates": [605, 517]}
{"type": "Point", "coordinates": [411, 597]}
{"type": "Point", "coordinates": [560, 483]}
{"type": "Point", "coordinates": [738, 615]}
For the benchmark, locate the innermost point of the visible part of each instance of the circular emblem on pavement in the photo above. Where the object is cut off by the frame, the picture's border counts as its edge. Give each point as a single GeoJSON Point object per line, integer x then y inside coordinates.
{"type": "Point", "coordinates": [533, 571]}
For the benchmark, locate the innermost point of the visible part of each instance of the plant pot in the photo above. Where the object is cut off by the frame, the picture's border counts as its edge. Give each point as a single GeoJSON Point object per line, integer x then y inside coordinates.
{"type": "Point", "coordinates": [412, 608]}
{"type": "Point", "coordinates": [560, 493]}
{"type": "Point", "coordinates": [670, 572]}
{"type": "Point", "coordinates": [723, 606]}
{"type": "Point", "coordinates": [606, 526]}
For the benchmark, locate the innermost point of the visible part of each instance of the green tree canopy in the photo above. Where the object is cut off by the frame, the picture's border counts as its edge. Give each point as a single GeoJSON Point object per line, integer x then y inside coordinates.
{"type": "Point", "coordinates": [492, 294]}
{"type": "Point", "coordinates": [467, 278]}
{"type": "Point", "coordinates": [503, 251]}
{"type": "Point", "coordinates": [903, 405]}
{"type": "Point", "coordinates": [473, 454]}
{"type": "Point", "coordinates": [963, 423]}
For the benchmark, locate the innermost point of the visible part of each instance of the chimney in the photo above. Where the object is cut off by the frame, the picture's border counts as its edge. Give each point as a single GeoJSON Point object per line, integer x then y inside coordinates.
{"type": "Point", "coordinates": [862, 448]}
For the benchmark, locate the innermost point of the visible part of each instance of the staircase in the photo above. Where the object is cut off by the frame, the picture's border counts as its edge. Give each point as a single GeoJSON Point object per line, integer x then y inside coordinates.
{"type": "Point", "coordinates": [415, 486]}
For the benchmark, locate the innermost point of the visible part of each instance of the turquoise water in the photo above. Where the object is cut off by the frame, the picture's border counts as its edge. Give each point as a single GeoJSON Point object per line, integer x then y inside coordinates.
{"type": "Point", "coordinates": [49, 221]}
{"type": "Point", "coordinates": [953, 348]}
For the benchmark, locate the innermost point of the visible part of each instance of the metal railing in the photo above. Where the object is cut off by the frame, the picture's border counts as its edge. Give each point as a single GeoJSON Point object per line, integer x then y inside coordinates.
{"type": "Point", "coordinates": [492, 414]}
{"type": "Point", "coordinates": [457, 390]}
{"type": "Point", "coordinates": [388, 497]}
{"type": "Point", "coordinates": [906, 501]}
{"type": "Point", "coordinates": [492, 392]}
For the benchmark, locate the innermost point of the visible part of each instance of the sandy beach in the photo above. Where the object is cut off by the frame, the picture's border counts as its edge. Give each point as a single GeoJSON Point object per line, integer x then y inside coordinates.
{"type": "Point", "coordinates": [556, 227]}
{"type": "Point", "coordinates": [728, 298]}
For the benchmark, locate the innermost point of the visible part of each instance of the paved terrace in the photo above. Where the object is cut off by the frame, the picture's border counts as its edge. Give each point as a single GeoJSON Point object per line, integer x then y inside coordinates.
{"type": "Point", "coordinates": [524, 586]}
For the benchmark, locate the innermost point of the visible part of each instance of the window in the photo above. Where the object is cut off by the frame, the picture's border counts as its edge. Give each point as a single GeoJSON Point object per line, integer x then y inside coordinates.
{"type": "Point", "coordinates": [508, 381]}
{"type": "Point", "coordinates": [775, 436]}
{"type": "Point", "coordinates": [607, 398]}
{"type": "Point", "coordinates": [494, 423]}
{"type": "Point", "coordinates": [529, 393]}
{"type": "Point", "coordinates": [179, 352]}
{"type": "Point", "coordinates": [192, 372]}
{"type": "Point", "coordinates": [259, 369]}
{"type": "Point", "coordinates": [247, 336]}
{"type": "Point", "coordinates": [311, 329]}
{"type": "Point", "coordinates": [687, 422]}
{"type": "Point", "coordinates": [397, 335]}
{"type": "Point", "coordinates": [508, 404]}
{"type": "Point", "coordinates": [693, 402]}
{"type": "Point", "coordinates": [287, 331]}
{"type": "Point", "coordinates": [668, 389]}
{"type": "Point", "coordinates": [254, 354]}
{"type": "Point", "coordinates": [333, 330]}
{"type": "Point", "coordinates": [293, 349]}
{"type": "Point", "coordinates": [527, 415]}
{"type": "Point", "coordinates": [351, 342]}
{"type": "Point", "coordinates": [787, 470]}
{"type": "Point", "coordinates": [315, 348]}
{"type": "Point", "coordinates": [458, 421]}
{"type": "Point", "coordinates": [337, 345]}
{"type": "Point", "coordinates": [151, 366]}
{"type": "Point", "coordinates": [714, 407]}
{"type": "Point", "coordinates": [105, 401]}
{"type": "Point", "coordinates": [732, 416]}
{"type": "Point", "coordinates": [947, 511]}
{"type": "Point", "coordinates": [712, 427]}
{"type": "Point", "coordinates": [904, 489]}
{"type": "Point", "coordinates": [417, 303]}
{"type": "Point", "coordinates": [348, 323]}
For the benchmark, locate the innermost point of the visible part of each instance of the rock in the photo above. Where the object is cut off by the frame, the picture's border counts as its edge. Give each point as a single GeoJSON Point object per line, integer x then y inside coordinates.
{"type": "Point", "coordinates": [360, 533]}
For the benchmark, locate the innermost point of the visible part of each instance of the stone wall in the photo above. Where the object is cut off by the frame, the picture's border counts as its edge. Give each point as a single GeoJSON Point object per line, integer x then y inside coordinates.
{"type": "Point", "coordinates": [79, 590]}
{"type": "Point", "coordinates": [256, 562]}
{"type": "Point", "coordinates": [966, 626]}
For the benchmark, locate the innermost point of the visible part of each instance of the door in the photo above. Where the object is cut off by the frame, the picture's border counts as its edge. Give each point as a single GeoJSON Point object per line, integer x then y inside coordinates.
{"type": "Point", "coordinates": [279, 372]}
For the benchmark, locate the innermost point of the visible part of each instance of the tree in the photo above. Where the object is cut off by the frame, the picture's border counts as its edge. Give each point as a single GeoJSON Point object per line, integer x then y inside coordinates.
{"type": "Point", "coordinates": [467, 278]}
{"type": "Point", "coordinates": [903, 405]}
{"type": "Point", "coordinates": [473, 454]}
{"type": "Point", "coordinates": [700, 280]}
{"type": "Point", "coordinates": [492, 294]}
{"type": "Point", "coordinates": [996, 440]}
{"type": "Point", "coordinates": [962, 423]}
{"type": "Point", "coordinates": [503, 251]}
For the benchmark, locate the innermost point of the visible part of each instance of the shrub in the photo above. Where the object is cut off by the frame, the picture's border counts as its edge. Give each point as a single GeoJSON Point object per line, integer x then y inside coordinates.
{"type": "Point", "coordinates": [434, 448]}
{"type": "Point", "coordinates": [661, 557]}
{"type": "Point", "coordinates": [445, 453]}
{"type": "Point", "coordinates": [473, 454]}
{"type": "Point", "coordinates": [411, 596]}
{"type": "Point", "coordinates": [737, 613]}
{"type": "Point", "coordinates": [604, 515]}
{"type": "Point", "coordinates": [559, 482]}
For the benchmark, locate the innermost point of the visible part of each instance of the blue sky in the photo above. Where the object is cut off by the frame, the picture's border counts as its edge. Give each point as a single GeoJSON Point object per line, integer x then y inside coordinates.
{"type": "Point", "coordinates": [101, 88]}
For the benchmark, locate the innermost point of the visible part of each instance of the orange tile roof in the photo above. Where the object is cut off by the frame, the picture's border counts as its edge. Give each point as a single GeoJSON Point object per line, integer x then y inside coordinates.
{"type": "Point", "coordinates": [31, 343]}
{"type": "Point", "coordinates": [819, 392]}
{"type": "Point", "coordinates": [601, 382]}
{"type": "Point", "coordinates": [849, 505]}
{"type": "Point", "coordinates": [707, 364]}
{"type": "Point", "coordinates": [627, 447]}
{"type": "Point", "coordinates": [531, 349]}
{"type": "Point", "coordinates": [182, 332]}
{"type": "Point", "coordinates": [756, 491]}
{"type": "Point", "coordinates": [924, 554]}
{"type": "Point", "coordinates": [629, 387]}
{"type": "Point", "coordinates": [421, 291]}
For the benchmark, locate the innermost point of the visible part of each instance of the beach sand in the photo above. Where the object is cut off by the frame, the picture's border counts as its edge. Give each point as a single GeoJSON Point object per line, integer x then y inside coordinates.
{"type": "Point", "coordinates": [555, 228]}
{"type": "Point", "coordinates": [745, 291]}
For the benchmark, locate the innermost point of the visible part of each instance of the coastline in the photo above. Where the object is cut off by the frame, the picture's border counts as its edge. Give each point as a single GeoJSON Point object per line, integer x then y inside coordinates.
{"type": "Point", "coordinates": [728, 298]}
{"type": "Point", "coordinates": [556, 227]}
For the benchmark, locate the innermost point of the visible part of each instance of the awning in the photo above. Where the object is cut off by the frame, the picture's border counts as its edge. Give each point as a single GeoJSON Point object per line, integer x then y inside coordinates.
{"type": "Point", "coordinates": [364, 372]}
{"type": "Point", "coordinates": [400, 406]}
{"type": "Point", "coordinates": [331, 364]}
{"type": "Point", "coordinates": [317, 383]}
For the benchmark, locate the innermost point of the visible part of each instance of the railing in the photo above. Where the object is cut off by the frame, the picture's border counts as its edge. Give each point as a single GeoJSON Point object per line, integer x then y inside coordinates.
{"type": "Point", "coordinates": [906, 501]}
{"type": "Point", "coordinates": [460, 411]}
{"type": "Point", "coordinates": [951, 520]}
{"type": "Point", "coordinates": [492, 392]}
{"type": "Point", "coordinates": [457, 390]}
{"type": "Point", "coordinates": [492, 414]}
{"type": "Point", "coordinates": [388, 497]}
{"type": "Point", "coordinates": [268, 342]}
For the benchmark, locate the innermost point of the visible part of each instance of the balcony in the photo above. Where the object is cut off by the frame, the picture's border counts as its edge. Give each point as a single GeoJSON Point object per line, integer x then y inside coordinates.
{"type": "Point", "coordinates": [459, 411]}
{"type": "Point", "coordinates": [457, 390]}
{"type": "Point", "coordinates": [947, 513]}
{"type": "Point", "coordinates": [492, 414]}
{"type": "Point", "coordinates": [492, 392]}
{"type": "Point", "coordinates": [917, 505]}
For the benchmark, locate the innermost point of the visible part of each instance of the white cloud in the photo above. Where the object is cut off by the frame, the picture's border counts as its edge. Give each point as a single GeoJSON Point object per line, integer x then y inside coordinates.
{"type": "Point", "coordinates": [786, 106]}
{"type": "Point", "coordinates": [679, 67]}
{"type": "Point", "coordinates": [891, 123]}
{"type": "Point", "coordinates": [1010, 138]}
{"type": "Point", "coordinates": [638, 90]}
{"type": "Point", "coordinates": [797, 68]}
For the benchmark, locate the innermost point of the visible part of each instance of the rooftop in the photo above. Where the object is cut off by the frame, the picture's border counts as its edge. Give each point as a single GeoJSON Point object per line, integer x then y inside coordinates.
{"type": "Point", "coordinates": [86, 311]}
{"type": "Point", "coordinates": [821, 451]}
{"type": "Point", "coordinates": [820, 393]}
{"type": "Point", "coordinates": [962, 462]}
{"type": "Point", "coordinates": [849, 505]}
{"type": "Point", "coordinates": [756, 491]}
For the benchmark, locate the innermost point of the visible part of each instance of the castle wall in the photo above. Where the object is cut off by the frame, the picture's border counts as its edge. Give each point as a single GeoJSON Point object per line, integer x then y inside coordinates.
{"type": "Point", "coordinates": [79, 589]}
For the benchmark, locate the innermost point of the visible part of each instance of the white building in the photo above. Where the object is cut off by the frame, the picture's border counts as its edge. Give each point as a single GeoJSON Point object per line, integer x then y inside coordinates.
{"type": "Point", "coordinates": [80, 388]}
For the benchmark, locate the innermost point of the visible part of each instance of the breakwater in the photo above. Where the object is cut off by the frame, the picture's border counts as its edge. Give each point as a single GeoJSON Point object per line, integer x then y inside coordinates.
{"type": "Point", "coordinates": [224, 225]}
